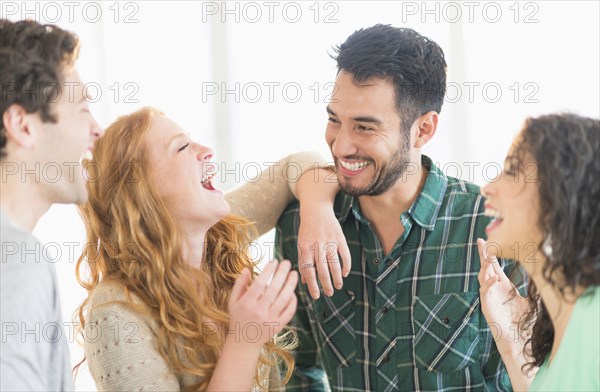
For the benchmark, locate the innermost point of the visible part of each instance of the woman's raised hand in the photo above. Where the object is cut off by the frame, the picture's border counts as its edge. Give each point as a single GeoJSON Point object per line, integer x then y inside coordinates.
{"type": "Point", "coordinates": [260, 309]}
{"type": "Point", "coordinates": [501, 303]}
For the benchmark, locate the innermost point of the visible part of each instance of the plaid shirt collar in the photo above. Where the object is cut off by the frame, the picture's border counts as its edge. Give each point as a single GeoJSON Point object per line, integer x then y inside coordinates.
{"type": "Point", "coordinates": [424, 210]}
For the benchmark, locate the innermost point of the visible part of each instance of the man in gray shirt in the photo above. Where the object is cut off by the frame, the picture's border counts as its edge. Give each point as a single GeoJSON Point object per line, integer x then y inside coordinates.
{"type": "Point", "coordinates": [46, 124]}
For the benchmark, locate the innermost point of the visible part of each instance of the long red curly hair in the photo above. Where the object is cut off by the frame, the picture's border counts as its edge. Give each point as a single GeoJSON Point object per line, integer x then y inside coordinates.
{"type": "Point", "coordinates": [137, 243]}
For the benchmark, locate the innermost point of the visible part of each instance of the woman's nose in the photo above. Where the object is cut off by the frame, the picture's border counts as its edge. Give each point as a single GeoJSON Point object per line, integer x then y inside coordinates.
{"type": "Point", "coordinates": [204, 153]}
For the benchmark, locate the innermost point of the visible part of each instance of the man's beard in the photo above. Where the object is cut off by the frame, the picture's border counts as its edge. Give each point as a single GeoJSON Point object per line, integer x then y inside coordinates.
{"type": "Point", "coordinates": [387, 175]}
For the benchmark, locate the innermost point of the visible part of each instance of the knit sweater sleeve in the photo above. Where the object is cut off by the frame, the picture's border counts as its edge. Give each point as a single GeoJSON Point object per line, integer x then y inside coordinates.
{"type": "Point", "coordinates": [121, 350]}
{"type": "Point", "coordinates": [263, 199]}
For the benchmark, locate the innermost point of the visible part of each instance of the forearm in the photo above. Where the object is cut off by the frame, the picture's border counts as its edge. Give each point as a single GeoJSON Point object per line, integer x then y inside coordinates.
{"type": "Point", "coordinates": [513, 358]}
{"type": "Point", "coordinates": [316, 189]}
{"type": "Point", "coordinates": [236, 367]}
{"type": "Point", "coordinates": [263, 199]}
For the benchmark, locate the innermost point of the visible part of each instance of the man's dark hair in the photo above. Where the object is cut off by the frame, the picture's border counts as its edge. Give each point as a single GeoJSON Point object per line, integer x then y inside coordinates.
{"type": "Point", "coordinates": [413, 63]}
{"type": "Point", "coordinates": [33, 58]}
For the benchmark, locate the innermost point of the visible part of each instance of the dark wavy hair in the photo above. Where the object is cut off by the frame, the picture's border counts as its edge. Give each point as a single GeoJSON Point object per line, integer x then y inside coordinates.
{"type": "Point", "coordinates": [413, 63]}
{"type": "Point", "coordinates": [33, 58]}
{"type": "Point", "coordinates": [565, 148]}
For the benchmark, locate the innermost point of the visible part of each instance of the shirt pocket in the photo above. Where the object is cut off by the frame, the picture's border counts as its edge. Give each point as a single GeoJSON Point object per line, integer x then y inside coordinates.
{"type": "Point", "coordinates": [446, 331]}
{"type": "Point", "coordinates": [335, 320]}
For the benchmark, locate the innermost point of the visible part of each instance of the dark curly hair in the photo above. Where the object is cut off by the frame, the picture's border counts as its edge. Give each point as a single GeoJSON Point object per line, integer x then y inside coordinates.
{"type": "Point", "coordinates": [413, 63]}
{"type": "Point", "coordinates": [33, 58]}
{"type": "Point", "coordinates": [565, 148]}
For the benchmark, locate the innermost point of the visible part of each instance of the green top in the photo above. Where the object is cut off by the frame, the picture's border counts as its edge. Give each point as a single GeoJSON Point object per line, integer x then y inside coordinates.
{"type": "Point", "coordinates": [409, 320]}
{"type": "Point", "coordinates": [576, 365]}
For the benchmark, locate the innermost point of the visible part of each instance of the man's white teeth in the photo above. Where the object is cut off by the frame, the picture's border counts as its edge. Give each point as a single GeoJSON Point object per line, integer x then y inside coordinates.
{"type": "Point", "coordinates": [353, 166]}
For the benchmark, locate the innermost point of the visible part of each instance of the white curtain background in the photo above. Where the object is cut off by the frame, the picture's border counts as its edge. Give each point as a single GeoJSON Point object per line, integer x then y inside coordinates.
{"type": "Point", "coordinates": [252, 79]}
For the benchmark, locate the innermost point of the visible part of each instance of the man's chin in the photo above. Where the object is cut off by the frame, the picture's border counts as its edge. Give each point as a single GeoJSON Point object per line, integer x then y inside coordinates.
{"type": "Point", "coordinates": [353, 190]}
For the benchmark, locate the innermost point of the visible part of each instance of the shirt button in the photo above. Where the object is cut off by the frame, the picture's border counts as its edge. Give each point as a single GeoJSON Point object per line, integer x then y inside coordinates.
{"type": "Point", "coordinates": [446, 320]}
{"type": "Point", "coordinates": [376, 260]}
{"type": "Point", "coordinates": [385, 310]}
{"type": "Point", "coordinates": [386, 359]}
{"type": "Point", "coordinates": [390, 262]}
{"type": "Point", "coordinates": [324, 314]}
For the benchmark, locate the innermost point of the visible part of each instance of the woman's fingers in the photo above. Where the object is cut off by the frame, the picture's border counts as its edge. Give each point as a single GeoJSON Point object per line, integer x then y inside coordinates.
{"type": "Point", "coordinates": [499, 271]}
{"type": "Point", "coordinates": [482, 248]}
{"type": "Point", "coordinates": [486, 270]}
{"type": "Point", "coordinates": [259, 285]}
{"type": "Point", "coordinates": [241, 284]}
{"type": "Point", "coordinates": [287, 291]}
{"type": "Point", "coordinates": [274, 287]}
{"type": "Point", "coordinates": [490, 267]}
{"type": "Point", "coordinates": [289, 311]}
{"type": "Point", "coordinates": [269, 302]}
{"type": "Point", "coordinates": [488, 284]}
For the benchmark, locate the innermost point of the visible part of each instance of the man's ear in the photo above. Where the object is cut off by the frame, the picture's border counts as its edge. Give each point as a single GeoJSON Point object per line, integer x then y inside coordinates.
{"type": "Point", "coordinates": [426, 127]}
{"type": "Point", "coordinates": [18, 125]}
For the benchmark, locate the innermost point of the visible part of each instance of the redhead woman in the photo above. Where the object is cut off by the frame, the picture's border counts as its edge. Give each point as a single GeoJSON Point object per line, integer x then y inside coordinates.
{"type": "Point", "coordinates": [173, 303]}
{"type": "Point", "coordinates": [546, 215]}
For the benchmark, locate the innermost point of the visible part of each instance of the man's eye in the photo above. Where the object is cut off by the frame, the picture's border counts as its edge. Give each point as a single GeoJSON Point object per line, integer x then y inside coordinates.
{"type": "Point", "coordinates": [363, 128]}
{"type": "Point", "coordinates": [183, 147]}
{"type": "Point", "coordinates": [332, 120]}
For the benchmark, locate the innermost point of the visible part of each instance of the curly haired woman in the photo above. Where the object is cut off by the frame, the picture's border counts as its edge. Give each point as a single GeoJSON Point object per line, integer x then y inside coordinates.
{"type": "Point", "coordinates": [546, 216]}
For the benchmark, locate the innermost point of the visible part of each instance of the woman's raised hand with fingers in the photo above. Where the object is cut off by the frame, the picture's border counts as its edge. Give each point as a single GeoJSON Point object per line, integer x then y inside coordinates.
{"type": "Point", "coordinates": [260, 309]}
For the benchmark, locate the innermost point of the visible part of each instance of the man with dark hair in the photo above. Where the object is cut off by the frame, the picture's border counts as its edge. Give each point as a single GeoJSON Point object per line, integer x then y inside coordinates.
{"type": "Point", "coordinates": [46, 123]}
{"type": "Point", "coordinates": [408, 315]}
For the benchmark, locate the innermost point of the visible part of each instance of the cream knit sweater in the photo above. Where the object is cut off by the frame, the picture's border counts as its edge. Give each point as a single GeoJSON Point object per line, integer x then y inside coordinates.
{"type": "Point", "coordinates": [121, 345]}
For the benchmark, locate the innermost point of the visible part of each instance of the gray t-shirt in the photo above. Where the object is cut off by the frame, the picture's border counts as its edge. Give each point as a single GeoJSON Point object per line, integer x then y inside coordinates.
{"type": "Point", "coordinates": [34, 354]}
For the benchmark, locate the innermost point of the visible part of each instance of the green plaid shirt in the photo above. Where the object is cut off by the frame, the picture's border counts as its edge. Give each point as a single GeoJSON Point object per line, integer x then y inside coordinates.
{"type": "Point", "coordinates": [406, 321]}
